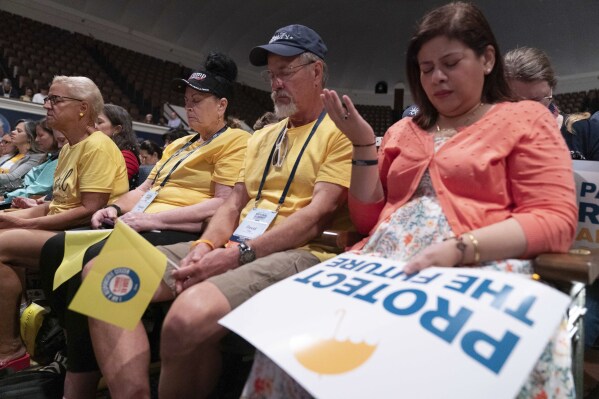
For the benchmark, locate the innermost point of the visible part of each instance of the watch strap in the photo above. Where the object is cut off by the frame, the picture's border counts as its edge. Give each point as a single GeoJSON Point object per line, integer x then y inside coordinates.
{"type": "Point", "coordinates": [119, 211]}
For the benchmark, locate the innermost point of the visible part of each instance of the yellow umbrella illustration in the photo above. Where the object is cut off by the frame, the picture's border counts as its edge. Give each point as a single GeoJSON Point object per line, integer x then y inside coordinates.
{"type": "Point", "coordinates": [330, 356]}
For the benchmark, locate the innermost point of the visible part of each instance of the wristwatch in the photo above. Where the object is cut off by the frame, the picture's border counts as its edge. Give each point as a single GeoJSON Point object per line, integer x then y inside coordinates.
{"type": "Point", "coordinates": [246, 254]}
{"type": "Point", "coordinates": [119, 211]}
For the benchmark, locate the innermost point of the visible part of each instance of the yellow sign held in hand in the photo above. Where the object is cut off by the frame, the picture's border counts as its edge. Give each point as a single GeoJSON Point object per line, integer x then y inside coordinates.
{"type": "Point", "coordinates": [123, 279]}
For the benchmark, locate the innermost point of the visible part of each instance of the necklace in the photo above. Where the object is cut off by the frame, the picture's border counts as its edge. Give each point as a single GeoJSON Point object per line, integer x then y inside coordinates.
{"type": "Point", "coordinates": [468, 120]}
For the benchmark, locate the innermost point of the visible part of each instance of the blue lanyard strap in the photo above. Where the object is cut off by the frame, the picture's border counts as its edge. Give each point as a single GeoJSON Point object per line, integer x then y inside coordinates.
{"type": "Point", "coordinates": [295, 166]}
{"type": "Point", "coordinates": [189, 143]}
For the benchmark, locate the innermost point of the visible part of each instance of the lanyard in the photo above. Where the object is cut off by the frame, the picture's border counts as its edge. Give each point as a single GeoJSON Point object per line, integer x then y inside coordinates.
{"type": "Point", "coordinates": [295, 166]}
{"type": "Point", "coordinates": [189, 143]}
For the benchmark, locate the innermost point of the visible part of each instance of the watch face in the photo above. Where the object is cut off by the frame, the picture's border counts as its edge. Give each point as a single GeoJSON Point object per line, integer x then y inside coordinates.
{"type": "Point", "coordinates": [248, 257]}
{"type": "Point", "coordinates": [246, 254]}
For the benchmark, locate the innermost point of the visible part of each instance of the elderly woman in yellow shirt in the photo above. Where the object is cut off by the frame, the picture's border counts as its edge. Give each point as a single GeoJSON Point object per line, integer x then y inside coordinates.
{"type": "Point", "coordinates": [90, 173]}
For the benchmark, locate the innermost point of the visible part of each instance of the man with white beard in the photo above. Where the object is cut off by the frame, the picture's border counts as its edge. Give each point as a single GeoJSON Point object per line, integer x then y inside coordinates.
{"type": "Point", "coordinates": [293, 186]}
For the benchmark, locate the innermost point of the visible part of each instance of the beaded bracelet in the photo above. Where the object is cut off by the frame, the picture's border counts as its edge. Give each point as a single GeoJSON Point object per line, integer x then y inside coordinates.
{"type": "Point", "coordinates": [364, 162]}
{"type": "Point", "coordinates": [461, 246]}
{"type": "Point", "coordinates": [203, 241]}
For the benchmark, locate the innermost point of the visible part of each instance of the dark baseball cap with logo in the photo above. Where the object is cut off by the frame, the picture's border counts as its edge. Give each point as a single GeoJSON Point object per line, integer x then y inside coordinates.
{"type": "Point", "coordinates": [205, 82]}
{"type": "Point", "coordinates": [287, 42]}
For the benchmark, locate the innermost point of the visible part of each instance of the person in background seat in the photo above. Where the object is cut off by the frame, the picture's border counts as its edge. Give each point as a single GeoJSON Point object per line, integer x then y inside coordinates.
{"type": "Point", "coordinates": [149, 152]}
{"type": "Point", "coordinates": [27, 156]}
{"type": "Point", "coordinates": [40, 179]}
{"type": "Point", "coordinates": [117, 124]}
{"type": "Point", "coordinates": [531, 77]}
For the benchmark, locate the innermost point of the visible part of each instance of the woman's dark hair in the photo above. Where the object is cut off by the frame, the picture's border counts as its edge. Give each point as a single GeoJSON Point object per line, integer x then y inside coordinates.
{"type": "Point", "coordinates": [221, 65]}
{"type": "Point", "coordinates": [29, 127]}
{"type": "Point", "coordinates": [266, 119]}
{"type": "Point", "coordinates": [151, 148]}
{"type": "Point", "coordinates": [464, 22]}
{"type": "Point", "coordinates": [43, 124]}
{"type": "Point", "coordinates": [126, 139]}
{"type": "Point", "coordinates": [224, 70]}
{"type": "Point", "coordinates": [174, 134]}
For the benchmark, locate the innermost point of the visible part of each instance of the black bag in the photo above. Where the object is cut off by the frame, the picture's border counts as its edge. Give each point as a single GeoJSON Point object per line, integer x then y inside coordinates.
{"type": "Point", "coordinates": [32, 384]}
{"type": "Point", "coordinates": [42, 334]}
{"type": "Point", "coordinates": [49, 341]}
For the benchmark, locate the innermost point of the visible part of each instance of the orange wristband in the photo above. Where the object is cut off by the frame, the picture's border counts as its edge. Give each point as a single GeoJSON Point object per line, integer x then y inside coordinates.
{"type": "Point", "coordinates": [203, 241]}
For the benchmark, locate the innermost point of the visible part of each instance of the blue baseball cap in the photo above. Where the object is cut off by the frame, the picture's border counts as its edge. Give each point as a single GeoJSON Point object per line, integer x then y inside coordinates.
{"type": "Point", "coordinates": [287, 42]}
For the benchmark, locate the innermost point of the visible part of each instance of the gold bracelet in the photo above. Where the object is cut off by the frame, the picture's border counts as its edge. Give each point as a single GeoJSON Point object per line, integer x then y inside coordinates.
{"type": "Point", "coordinates": [203, 241]}
{"type": "Point", "coordinates": [474, 247]}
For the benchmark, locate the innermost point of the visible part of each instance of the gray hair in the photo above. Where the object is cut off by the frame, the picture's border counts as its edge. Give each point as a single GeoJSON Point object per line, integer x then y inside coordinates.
{"type": "Point", "coordinates": [529, 64]}
{"type": "Point", "coordinates": [85, 89]}
{"type": "Point", "coordinates": [29, 128]}
{"type": "Point", "coordinates": [311, 57]}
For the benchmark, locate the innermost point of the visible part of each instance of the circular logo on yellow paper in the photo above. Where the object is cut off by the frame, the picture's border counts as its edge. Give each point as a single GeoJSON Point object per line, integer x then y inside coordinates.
{"type": "Point", "coordinates": [120, 284]}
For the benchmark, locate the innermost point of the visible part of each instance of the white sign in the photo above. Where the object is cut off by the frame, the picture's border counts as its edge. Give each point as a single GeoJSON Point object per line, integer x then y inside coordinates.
{"type": "Point", "coordinates": [586, 176]}
{"type": "Point", "coordinates": [358, 327]}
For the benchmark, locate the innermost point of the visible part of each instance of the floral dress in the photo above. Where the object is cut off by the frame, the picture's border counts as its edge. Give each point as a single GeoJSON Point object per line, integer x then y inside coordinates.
{"type": "Point", "coordinates": [411, 228]}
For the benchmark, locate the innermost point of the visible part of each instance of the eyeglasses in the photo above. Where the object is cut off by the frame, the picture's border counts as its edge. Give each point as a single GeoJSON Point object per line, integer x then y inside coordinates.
{"type": "Point", "coordinates": [545, 100]}
{"type": "Point", "coordinates": [278, 156]}
{"type": "Point", "coordinates": [284, 74]}
{"type": "Point", "coordinates": [54, 99]}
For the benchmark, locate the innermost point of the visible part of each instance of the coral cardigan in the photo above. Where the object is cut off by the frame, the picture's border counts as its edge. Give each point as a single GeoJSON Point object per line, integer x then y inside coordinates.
{"type": "Point", "coordinates": [512, 163]}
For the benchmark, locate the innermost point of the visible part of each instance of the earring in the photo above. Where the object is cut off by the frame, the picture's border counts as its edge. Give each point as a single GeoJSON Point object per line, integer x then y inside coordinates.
{"type": "Point", "coordinates": [81, 114]}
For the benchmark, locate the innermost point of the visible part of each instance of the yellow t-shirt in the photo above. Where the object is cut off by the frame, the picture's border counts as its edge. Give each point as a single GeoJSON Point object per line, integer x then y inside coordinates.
{"type": "Point", "coordinates": [327, 158]}
{"type": "Point", "coordinates": [193, 180]}
{"type": "Point", "coordinates": [92, 165]}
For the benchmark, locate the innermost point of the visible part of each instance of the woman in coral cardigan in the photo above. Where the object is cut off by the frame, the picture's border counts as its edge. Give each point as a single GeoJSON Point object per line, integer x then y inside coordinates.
{"type": "Point", "coordinates": [473, 179]}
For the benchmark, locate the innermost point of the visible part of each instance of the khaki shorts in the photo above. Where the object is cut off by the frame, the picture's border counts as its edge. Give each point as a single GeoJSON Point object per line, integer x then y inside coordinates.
{"type": "Point", "coordinates": [239, 285]}
{"type": "Point", "coordinates": [174, 253]}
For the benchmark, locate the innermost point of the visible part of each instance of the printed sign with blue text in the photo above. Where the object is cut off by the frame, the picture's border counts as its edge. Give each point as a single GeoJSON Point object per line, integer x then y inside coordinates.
{"type": "Point", "coordinates": [358, 327]}
{"type": "Point", "coordinates": [586, 176]}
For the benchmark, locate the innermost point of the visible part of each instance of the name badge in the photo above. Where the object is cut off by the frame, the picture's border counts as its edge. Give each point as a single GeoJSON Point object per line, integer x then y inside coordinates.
{"type": "Point", "coordinates": [145, 201]}
{"type": "Point", "coordinates": [254, 225]}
